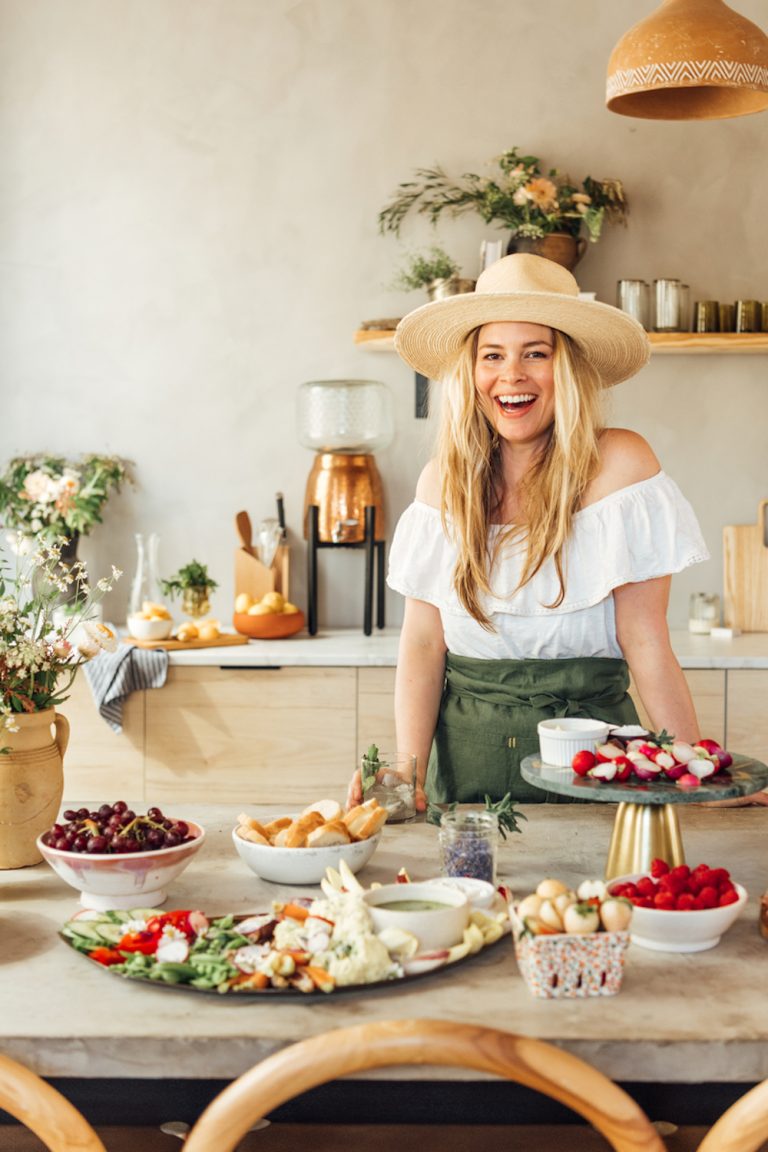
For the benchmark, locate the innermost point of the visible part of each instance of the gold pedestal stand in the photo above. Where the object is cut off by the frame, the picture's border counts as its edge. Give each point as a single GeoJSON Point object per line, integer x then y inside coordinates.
{"type": "Point", "coordinates": [641, 833]}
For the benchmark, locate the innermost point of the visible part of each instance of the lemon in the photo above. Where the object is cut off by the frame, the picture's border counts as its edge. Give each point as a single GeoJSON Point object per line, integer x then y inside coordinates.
{"type": "Point", "coordinates": [243, 602]}
{"type": "Point", "coordinates": [208, 632]}
{"type": "Point", "coordinates": [187, 632]}
{"type": "Point", "coordinates": [289, 609]}
{"type": "Point", "coordinates": [273, 601]}
{"type": "Point", "coordinates": [259, 610]}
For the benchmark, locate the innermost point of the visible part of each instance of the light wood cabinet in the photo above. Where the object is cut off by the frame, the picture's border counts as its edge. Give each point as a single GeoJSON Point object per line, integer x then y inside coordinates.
{"type": "Point", "coordinates": [100, 764]}
{"type": "Point", "coordinates": [375, 708]}
{"type": "Point", "coordinates": [747, 729]}
{"type": "Point", "coordinates": [251, 736]}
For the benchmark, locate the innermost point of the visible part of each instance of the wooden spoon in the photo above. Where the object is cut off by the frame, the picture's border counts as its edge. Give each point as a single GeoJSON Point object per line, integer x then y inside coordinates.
{"type": "Point", "coordinates": [243, 525]}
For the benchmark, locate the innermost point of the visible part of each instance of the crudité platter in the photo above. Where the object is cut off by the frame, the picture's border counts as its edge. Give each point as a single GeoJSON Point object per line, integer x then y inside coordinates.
{"type": "Point", "coordinates": [303, 947]}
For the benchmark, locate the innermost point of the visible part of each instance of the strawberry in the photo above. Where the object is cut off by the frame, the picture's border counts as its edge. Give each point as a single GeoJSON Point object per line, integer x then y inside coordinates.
{"type": "Point", "coordinates": [685, 902]}
{"type": "Point", "coordinates": [708, 897]}
{"type": "Point", "coordinates": [729, 897]}
{"type": "Point", "coordinates": [673, 883]}
{"type": "Point", "coordinates": [646, 886]}
{"type": "Point", "coordinates": [659, 867]}
{"type": "Point", "coordinates": [664, 900]}
{"type": "Point", "coordinates": [643, 902]}
{"type": "Point", "coordinates": [681, 871]}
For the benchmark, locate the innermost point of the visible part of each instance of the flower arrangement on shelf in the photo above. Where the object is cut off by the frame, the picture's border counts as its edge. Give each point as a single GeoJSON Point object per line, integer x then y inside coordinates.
{"type": "Point", "coordinates": [54, 496]}
{"type": "Point", "coordinates": [39, 657]}
{"type": "Point", "coordinates": [521, 197]}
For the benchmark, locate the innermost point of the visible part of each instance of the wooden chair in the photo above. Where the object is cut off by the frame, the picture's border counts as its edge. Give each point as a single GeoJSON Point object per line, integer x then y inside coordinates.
{"type": "Point", "coordinates": [44, 1111]}
{"type": "Point", "coordinates": [534, 1063]}
{"type": "Point", "coordinates": [743, 1127]}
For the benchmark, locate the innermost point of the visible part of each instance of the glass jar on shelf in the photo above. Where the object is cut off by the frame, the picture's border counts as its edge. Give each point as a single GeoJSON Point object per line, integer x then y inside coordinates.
{"type": "Point", "coordinates": [469, 843]}
{"type": "Point", "coordinates": [146, 584]}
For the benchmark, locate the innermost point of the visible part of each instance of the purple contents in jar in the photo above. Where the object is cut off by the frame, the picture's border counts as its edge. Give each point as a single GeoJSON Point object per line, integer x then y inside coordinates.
{"type": "Point", "coordinates": [468, 844]}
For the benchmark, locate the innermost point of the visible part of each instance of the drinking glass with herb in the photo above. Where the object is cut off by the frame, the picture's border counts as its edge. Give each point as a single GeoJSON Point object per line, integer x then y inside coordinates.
{"type": "Point", "coordinates": [390, 778]}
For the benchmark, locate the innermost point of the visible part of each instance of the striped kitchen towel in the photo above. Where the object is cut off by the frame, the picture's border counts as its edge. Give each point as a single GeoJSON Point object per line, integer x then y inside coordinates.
{"type": "Point", "coordinates": [114, 675]}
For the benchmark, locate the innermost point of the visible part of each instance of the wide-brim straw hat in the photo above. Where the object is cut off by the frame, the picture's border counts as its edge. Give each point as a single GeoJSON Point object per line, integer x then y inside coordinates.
{"type": "Point", "coordinates": [531, 289]}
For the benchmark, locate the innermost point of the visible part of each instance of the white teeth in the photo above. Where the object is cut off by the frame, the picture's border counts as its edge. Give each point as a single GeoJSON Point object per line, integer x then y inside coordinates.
{"type": "Point", "coordinates": [523, 398]}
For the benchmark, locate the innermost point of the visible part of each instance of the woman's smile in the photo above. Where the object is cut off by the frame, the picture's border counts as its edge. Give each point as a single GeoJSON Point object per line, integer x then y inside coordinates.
{"type": "Point", "coordinates": [514, 378]}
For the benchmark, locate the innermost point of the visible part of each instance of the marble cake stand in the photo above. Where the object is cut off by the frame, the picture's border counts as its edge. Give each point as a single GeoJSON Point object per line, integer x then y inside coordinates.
{"type": "Point", "coordinates": [646, 824]}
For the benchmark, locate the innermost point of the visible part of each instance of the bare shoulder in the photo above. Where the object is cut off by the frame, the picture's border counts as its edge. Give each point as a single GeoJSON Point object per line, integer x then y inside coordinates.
{"type": "Point", "coordinates": [428, 486]}
{"type": "Point", "coordinates": [625, 458]}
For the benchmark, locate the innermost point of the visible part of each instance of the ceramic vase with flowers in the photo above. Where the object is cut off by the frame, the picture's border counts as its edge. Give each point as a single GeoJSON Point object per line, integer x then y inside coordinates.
{"type": "Point", "coordinates": [39, 659]}
{"type": "Point", "coordinates": [546, 212]}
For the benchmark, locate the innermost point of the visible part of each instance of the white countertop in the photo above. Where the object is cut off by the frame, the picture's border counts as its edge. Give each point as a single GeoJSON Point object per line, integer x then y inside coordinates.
{"type": "Point", "coordinates": [352, 648]}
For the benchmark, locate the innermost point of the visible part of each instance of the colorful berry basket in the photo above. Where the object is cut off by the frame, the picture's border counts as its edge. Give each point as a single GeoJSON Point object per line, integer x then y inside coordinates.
{"type": "Point", "coordinates": [565, 966]}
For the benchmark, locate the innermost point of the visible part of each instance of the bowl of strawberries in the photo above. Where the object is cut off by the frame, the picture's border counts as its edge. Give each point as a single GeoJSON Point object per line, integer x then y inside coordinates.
{"type": "Point", "coordinates": [679, 908]}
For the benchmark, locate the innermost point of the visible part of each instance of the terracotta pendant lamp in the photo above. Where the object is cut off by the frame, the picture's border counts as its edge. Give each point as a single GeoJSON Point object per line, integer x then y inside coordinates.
{"type": "Point", "coordinates": [689, 60]}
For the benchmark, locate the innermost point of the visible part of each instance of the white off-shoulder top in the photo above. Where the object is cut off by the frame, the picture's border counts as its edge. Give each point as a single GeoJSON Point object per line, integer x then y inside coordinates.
{"type": "Point", "coordinates": [640, 532]}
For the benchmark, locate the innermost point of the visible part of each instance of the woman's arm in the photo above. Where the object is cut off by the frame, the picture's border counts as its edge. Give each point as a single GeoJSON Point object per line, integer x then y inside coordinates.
{"type": "Point", "coordinates": [419, 684]}
{"type": "Point", "coordinates": [418, 689]}
{"type": "Point", "coordinates": [643, 636]}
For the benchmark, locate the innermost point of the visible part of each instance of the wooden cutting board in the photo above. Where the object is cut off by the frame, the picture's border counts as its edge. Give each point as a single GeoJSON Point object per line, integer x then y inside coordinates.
{"type": "Point", "coordinates": [173, 645]}
{"type": "Point", "coordinates": [745, 574]}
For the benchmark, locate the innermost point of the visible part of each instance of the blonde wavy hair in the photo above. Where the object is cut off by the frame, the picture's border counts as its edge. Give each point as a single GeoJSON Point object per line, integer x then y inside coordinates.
{"type": "Point", "coordinates": [469, 462]}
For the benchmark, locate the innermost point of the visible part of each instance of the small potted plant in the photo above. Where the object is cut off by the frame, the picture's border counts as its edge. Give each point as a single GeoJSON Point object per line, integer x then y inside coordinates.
{"type": "Point", "coordinates": [194, 585]}
{"type": "Point", "coordinates": [537, 207]}
{"type": "Point", "coordinates": [433, 270]}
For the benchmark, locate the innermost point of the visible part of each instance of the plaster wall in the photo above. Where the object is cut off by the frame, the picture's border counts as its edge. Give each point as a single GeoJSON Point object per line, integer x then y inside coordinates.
{"type": "Point", "coordinates": [189, 193]}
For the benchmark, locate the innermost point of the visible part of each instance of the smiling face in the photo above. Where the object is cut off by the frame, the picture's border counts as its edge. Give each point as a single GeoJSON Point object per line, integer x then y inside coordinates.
{"type": "Point", "coordinates": [514, 379]}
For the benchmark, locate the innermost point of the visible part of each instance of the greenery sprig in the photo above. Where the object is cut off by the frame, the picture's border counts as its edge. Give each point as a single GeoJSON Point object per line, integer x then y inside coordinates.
{"type": "Point", "coordinates": [192, 575]}
{"type": "Point", "coordinates": [504, 810]}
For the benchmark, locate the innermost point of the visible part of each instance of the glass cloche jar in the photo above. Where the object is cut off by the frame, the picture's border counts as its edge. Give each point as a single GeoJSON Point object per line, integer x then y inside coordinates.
{"type": "Point", "coordinates": [345, 416]}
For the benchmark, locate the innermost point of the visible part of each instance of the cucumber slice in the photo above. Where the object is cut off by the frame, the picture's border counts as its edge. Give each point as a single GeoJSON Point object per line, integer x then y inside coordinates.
{"type": "Point", "coordinates": [111, 933]}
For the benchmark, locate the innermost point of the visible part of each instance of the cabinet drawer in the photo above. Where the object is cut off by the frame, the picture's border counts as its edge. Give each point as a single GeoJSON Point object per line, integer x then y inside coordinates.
{"type": "Point", "coordinates": [251, 735]}
{"type": "Point", "coordinates": [100, 764]}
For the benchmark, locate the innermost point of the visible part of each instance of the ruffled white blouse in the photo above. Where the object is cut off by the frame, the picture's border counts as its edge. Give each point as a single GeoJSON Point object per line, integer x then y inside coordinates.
{"type": "Point", "coordinates": [637, 533]}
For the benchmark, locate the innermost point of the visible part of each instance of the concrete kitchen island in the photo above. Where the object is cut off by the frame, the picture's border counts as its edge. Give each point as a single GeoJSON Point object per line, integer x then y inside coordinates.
{"type": "Point", "coordinates": [679, 1021]}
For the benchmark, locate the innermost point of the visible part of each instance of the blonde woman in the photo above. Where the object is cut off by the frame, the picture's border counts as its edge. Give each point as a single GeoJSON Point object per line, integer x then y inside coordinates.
{"type": "Point", "coordinates": [536, 559]}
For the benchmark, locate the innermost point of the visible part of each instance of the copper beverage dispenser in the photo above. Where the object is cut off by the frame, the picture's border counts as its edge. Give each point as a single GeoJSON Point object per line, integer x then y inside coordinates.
{"type": "Point", "coordinates": [344, 422]}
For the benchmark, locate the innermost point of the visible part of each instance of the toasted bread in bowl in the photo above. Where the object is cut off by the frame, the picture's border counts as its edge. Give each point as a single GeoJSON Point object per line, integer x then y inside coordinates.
{"type": "Point", "coordinates": [305, 865]}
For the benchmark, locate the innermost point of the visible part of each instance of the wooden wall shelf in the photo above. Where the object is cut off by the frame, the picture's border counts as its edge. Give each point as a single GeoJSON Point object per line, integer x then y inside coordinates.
{"type": "Point", "coordinates": [663, 343]}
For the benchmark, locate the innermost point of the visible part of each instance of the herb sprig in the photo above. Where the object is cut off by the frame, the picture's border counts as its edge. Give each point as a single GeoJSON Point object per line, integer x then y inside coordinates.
{"type": "Point", "coordinates": [504, 810]}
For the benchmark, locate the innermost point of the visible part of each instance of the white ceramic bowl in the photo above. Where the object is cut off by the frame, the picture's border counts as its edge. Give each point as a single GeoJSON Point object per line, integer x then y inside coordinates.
{"type": "Point", "coordinates": [142, 629]}
{"type": "Point", "coordinates": [116, 880]}
{"type": "Point", "coordinates": [693, 931]}
{"type": "Point", "coordinates": [435, 928]}
{"type": "Point", "coordinates": [302, 865]}
{"type": "Point", "coordinates": [560, 739]}
{"type": "Point", "coordinates": [480, 893]}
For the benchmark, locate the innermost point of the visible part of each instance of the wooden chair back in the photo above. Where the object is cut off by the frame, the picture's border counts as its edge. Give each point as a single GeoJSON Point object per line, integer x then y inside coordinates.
{"type": "Point", "coordinates": [743, 1127]}
{"type": "Point", "coordinates": [44, 1111]}
{"type": "Point", "coordinates": [533, 1063]}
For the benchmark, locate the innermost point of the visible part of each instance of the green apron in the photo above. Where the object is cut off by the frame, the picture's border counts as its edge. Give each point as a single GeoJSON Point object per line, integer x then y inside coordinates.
{"type": "Point", "coordinates": [489, 713]}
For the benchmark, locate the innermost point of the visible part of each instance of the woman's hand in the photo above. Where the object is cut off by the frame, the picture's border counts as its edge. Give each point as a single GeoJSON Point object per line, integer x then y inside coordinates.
{"type": "Point", "coordinates": [355, 793]}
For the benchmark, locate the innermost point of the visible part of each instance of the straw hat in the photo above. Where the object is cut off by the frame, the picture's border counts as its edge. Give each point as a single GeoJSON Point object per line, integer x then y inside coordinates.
{"type": "Point", "coordinates": [531, 289]}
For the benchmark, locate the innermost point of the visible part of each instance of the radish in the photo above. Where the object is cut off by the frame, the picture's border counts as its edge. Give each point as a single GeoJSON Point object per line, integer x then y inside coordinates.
{"type": "Point", "coordinates": [605, 770]}
{"type": "Point", "coordinates": [645, 769]}
{"type": "Point", "coordinates": [172, 950]}
{"type": "Point", "coordinates": [425, 962]}
{"type": "Point", "coordinates": [725, 760]}
{"type": "Point", "coordinates": [682, 752]}
{"type": "Point", "coordinates": [623, 768]}
{"type": "Point", "coordinates": [703, 753]}
{"type": "Point", "coordinates": [688, 780]}
{"type": "Point", "coordinates": [608, 751]}
{"type": "Point", "coordinates": [700, 768]}
{"type": "Point", "coordinates": [635, 745]}
{"type": "Point", "coordinates": [709, 745]}
{"type": "Point", "coordinates": [676, 771]}
{"type": "Point", "coordinates": [663, 759]}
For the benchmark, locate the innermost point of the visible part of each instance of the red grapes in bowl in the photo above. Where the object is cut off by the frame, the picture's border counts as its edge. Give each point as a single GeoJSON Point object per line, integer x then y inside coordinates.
{"type": "Point", "coordinates": [115, 829]}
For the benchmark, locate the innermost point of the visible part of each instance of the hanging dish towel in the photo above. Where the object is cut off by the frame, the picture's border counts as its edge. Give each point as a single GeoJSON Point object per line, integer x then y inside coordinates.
{"type": "Point", "coordinates": [114, 675]}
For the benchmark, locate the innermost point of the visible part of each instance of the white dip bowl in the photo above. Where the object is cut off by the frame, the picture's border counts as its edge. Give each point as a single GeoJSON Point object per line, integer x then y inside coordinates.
{"type": "Point", "coordinates": [142, 629]}
{"type": "Point", "coordinates": [437, 927]}
{"type": "Point", "coordinates": [560, 739]}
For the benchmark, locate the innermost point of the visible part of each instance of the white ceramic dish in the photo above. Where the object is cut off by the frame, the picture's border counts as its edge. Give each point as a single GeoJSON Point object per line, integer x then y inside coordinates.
{"type": "Point", "coordinates": [302, 865]}
{"type": "Point", "coordinates": [142, 629]}
{"type": "Point", "coordinates": [117, 880]}
{"type": "Point", "coordinates": [435, 928]}
{"type": "Point", "coordinates": [693, 931]}
{"type": "Point", "coordinates": [560, 739]}
{"type": "Point", "coordinates": [480, 893]}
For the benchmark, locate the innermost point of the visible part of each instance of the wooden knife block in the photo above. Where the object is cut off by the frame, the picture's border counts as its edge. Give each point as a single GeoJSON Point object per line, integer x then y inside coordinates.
{"type": "Point", "coordinates": [253, 577]}
{"type": "Point", "coordinates": [745, 574]}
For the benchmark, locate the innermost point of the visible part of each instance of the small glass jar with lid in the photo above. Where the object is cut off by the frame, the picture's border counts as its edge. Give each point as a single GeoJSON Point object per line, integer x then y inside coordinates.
{"type": "Point", "coordinates": [469, 843]}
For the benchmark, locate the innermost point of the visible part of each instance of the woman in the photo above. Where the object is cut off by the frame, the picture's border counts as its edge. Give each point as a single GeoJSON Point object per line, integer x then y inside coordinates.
{"type": "Point", "coordinates": [536, 558]}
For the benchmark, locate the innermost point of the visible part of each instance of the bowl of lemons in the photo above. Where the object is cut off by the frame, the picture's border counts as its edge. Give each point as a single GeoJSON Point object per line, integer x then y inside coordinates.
{"type": "Point", "coordinates": [270, 618]}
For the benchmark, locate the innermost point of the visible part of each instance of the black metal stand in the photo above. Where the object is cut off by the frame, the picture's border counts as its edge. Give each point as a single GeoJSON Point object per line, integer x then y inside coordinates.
{"type": "Point", "coordinates": [374, 569]}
